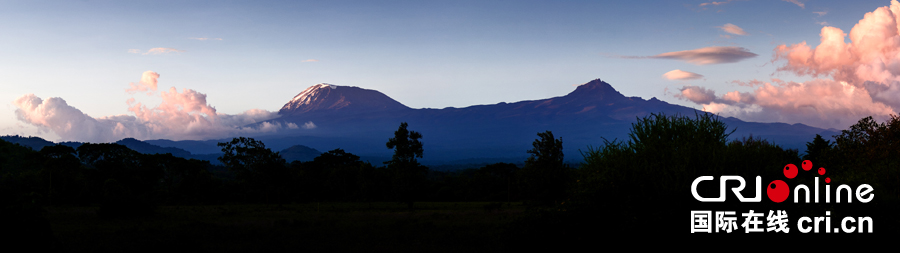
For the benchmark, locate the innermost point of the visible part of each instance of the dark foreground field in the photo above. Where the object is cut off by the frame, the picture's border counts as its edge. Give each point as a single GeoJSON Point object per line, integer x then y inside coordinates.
{"type": "Point", "coordinates": [456, 226]}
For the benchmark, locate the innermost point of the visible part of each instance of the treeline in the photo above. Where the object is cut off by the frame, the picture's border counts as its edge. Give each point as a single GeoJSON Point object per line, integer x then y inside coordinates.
{"type": "Point", "coordinates": [124, 182]}
{"type": "Point", "coordinates": [645, 174]}
{"type": "Point", "coordinates": [646, 179]}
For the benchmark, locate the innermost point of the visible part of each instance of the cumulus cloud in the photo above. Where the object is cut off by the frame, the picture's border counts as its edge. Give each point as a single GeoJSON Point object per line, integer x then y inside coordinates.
{"type": "Point", "coordinates": [696, 94]}
{"type": "Point", "coordinates": [820, 102]}
{"type": "Point", "coordinates": [681, 75]}
{"type": "Point", "coordinates": [821, 13]}
{"type": "Point", "coordinates": [732, 29]}
{"type": "Point", "coordinates": [147, 83]}
{"type": "Point", "coordinates": [852, 79]}
{"type": "Point", "coordinates": [308, 125]}
{"type": "Point", "coordinates": [797, 2]}
{"type": "Point", "coordinates": [181, 115]}
{"type": "Point", "coordinates": [708, 55]}
{"type": "Point", "coordinates": [871, 61]}
{"type": "Point", "coordinates": [134, 51]}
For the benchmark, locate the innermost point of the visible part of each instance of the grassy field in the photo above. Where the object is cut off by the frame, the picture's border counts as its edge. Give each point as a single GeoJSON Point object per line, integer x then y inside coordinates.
{"type": "Point", "coordinates": [431, 227]}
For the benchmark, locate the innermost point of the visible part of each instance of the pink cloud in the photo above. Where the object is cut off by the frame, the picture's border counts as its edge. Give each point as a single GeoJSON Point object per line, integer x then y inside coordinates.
{"type": "Point", "coordinates": [708, 55]}
{"type": "Point", "coordinates": [147, 83]}
{"type": "Point", "coordinates": [852, 79]}
{"type": "Point", "coordinates": [696, 94]}
{"type": "Point", "coordinates": [732, 29]}
{"type": "Point", "coordinates": [821, 102]}
{"type": "Point", "coordinates": [871, 60]}
{"type": "Point", "coordinates": [180, 115]}
{"type": "Point", "coordinates": [681, 75]}
{"type": "Point", "coordinates": [751, 83]}
{"type": "Point", "coordinates": [797, 2]}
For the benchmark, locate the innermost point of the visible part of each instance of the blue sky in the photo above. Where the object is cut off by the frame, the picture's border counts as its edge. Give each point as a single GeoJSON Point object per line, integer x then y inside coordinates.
{"type": "Point", "coordinates": [259, 54]}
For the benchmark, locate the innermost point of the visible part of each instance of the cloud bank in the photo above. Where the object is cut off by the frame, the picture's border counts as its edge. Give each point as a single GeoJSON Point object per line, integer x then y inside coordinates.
{"type": "Point", "coordinates": [852, 79]}
{"type": "Point", "coordinates": [181, 115]}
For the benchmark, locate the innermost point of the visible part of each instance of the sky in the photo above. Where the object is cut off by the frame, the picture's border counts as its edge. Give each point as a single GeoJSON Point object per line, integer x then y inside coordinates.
{"type": "Point", "coordinates": [104, 70]}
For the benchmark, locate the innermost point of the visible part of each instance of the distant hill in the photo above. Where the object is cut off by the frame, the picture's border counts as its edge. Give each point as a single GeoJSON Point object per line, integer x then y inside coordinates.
{"type": "Point", "coordinates": [293, 153]}
{"type": "Point", "coordinates": [299, 153]}
{"type": "Point", "coordinates": [147, 148]}
{"type": "Point", "coordinates": [35, 143]}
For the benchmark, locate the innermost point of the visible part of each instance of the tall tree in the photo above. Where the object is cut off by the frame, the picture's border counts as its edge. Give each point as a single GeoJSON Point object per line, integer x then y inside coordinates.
{"type": "Point", "coordinates": [819, 151]}
{"type": "Point", "coordinates": [409, 175]}
{"type": "Point", "coordinates": [544, 174]}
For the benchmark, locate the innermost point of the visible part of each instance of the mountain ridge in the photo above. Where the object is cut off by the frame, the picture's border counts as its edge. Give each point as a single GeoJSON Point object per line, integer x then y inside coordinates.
{"type": "Point", "coordinates": [593, 112]}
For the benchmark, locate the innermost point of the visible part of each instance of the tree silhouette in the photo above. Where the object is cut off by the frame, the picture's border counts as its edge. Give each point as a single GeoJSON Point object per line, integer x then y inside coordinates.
{"type": "Point", "coordinates": [256, 166]}
{"type": "Point", "coordinates": [819, 151]}
{"type": "Point", "coordinates": [339, 170]}
{"type": "Point", "coordinates": [544, 174]}
{"type": "Point", "coordinates": [409, 176]}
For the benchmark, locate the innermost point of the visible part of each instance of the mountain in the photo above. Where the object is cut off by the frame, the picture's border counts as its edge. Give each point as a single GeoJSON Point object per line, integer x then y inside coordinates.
{"type": "Point", "coordinates": [299, 153]}
{"type": "Point", "coordinates": [147, 148]}
{"type": "Point", "coordinates": [361, 120]}
{"type": "Point", "coordinates": [326, 98]}
{"type": "Point", "coordinates": [37, 143]}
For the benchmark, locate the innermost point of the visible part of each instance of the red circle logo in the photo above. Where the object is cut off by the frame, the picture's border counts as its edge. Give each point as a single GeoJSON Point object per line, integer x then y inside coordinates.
{"type": "Point", "coordinates": [790, 171]}
{"type": "Point", "coordinates": [778, 191]}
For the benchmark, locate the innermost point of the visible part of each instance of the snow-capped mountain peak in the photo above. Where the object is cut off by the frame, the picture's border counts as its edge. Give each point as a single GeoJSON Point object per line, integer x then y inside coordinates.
{"type": "Point", "coordinates": [310, 94]}
{"type": "Point", "coordinates": [328, 97]}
